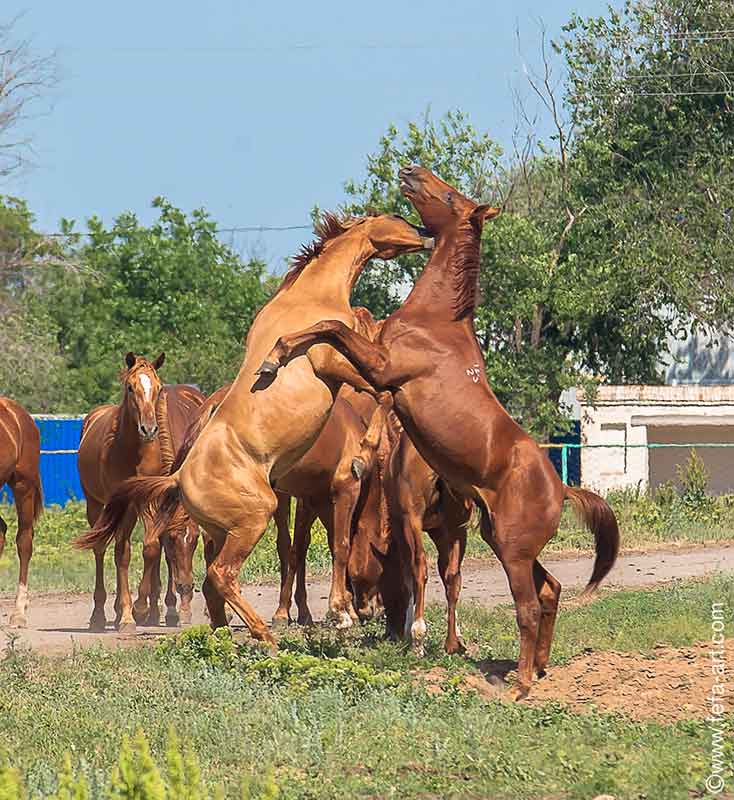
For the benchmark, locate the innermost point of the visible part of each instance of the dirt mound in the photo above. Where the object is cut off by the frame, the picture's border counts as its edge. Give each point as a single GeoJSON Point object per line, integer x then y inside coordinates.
{"type": "Point", "coordinates": [669, 685]}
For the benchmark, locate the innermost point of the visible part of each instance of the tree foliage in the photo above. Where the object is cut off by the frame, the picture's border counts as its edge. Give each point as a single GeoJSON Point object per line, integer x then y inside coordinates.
{"type": "Point", "coordinates": [616, 235]}
{"type": "Point", "coordinates": [171, 286]}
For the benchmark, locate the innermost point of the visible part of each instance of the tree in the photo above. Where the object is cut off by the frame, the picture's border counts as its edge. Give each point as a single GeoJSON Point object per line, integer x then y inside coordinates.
{"type": "Point", "coordinates": [25, 77]}
{"type": "Point", "coordinates": [172, 286]}
{"type": "Point", "coordinates": [651, 94]}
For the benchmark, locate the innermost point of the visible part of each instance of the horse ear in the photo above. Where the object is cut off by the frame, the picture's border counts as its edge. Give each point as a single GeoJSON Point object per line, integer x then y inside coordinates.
{"type": "Point", "coordinates": [482, 214]}
{"type": "Point", "coordinates": [130, 360]}
{"type": "Point", "coordinates": [158, 363]}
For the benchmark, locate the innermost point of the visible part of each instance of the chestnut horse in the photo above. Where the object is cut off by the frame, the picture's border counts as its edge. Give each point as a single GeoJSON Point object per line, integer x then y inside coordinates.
{"type": "Point", "coordinates": [20, 445]}
{"type": "Point", "coordinates": [253, 439]}
{"type": "Point", "coordinates": [428, 358]}
{"type": "Point", "coordinates": [138, 436]}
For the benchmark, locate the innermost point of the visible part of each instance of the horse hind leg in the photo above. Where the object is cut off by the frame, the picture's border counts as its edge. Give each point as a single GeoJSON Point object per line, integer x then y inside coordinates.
{"type": "Point", "coordinates": [23, 492]}
{"type": "Point", "coordinates": [549, 593]}
{"type": "Point", "coordinates": [3, 531]}
{"type": "Point", "coordinates": [305, 517]}
{"type": "Point", "coordinates": [239, 541]}
{"type": "Point", "coordinates": [172, 616]}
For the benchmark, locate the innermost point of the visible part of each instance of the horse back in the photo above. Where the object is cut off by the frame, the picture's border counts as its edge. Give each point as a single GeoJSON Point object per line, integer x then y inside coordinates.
{"type": "Point", "coordinates": [182, 405]}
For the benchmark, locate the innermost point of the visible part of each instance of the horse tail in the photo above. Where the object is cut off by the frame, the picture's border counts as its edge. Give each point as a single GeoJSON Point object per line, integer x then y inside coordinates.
{"type": "Point", "coordinates": [136, 492]}
{"type": "Point", "coordinates": [598, 516]}
{"type": "Point", "coordinates": [37, 497]}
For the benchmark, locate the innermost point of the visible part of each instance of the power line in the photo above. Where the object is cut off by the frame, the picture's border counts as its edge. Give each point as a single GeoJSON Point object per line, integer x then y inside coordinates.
{"type": "Point", "coordinates": [702, 74]}
{"type": "Point", "coordinates": [723, 32]}
{"type": "Point", "coordinates": [664, 94]}
{"type": "Point", "coordinates": [241, 229]}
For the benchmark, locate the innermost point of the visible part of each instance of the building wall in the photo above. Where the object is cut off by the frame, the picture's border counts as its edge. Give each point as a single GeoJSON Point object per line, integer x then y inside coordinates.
{"type": "Point", "coordinates": [719, 461]}
{"type": "Point", "coordinates": [630, 417]}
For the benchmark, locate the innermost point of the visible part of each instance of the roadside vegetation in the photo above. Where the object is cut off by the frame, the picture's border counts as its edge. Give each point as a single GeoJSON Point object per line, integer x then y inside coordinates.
{"type": "Point", "coordinates": [343, 715]}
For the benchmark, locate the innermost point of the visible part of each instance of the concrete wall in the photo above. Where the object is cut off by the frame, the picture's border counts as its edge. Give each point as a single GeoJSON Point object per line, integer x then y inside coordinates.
{"type": "Point", "coordinates": [636, 415]}
{"type": "Point", "coordinates": [719, 461]}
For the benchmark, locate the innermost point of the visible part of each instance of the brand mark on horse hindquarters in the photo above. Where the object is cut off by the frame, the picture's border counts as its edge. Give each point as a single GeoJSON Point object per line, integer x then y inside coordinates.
{"type": "Point", "coordinates": [474, 373]}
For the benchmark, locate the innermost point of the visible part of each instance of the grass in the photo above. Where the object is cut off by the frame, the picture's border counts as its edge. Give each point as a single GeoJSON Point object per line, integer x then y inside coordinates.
{"type": "Point", "coordinates": [338, 716]}
{"type": "Point", "coordinates": [646, 520]}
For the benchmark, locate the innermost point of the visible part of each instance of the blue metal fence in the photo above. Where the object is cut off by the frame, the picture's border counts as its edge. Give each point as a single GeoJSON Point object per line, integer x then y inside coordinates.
{"type": "Point", "coordinates": [60, 440]}
{"type": "Point", "coordinates": [59, 475]}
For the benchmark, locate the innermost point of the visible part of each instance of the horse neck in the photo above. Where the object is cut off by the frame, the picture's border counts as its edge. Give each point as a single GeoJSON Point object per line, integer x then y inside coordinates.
{"type": "Point", "coordinates": [439, 287]}
{"type": "Point", "coordinates": [334, 272]}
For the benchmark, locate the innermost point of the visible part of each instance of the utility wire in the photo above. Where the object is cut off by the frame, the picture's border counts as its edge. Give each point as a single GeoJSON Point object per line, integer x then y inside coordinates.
{"type": "Point", "coordinates": [243, 229]}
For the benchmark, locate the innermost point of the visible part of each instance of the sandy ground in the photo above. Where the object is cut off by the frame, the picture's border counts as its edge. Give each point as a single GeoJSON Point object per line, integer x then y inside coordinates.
{"type": "Point", "coordinates": [669, 685]}
{"type": "Point", "coordinates": [58, 623]}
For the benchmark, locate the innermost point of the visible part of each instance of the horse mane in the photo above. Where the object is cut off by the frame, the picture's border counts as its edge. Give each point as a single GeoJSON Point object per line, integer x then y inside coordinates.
{"type": "Point", "coordinates": [327, 227]}
{"type": "Point", "coordinates": [464, 267]}
{"type": "Point", "coordinates": [165, 440]}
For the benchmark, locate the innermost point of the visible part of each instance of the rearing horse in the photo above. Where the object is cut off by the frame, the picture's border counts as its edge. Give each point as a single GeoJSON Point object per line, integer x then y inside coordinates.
{"type": "Point", "coordinates": [254, 438]}
{"type": "Point", "coordinates": [427, 357]}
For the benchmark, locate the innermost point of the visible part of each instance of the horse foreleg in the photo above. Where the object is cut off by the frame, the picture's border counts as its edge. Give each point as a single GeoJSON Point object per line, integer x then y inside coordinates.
{"type": "Point", "coordinates": [363, 462]}
{"type": "Point", "coordinates": [124, 619]}
{"type": "Point", "coordinates": [282, 518]}
{"type": "Point", "coordinates": [98, 621]}
{"type": "Point", "coordinates": [344, 496]}
{"type": "Point", "coordinates": [368, 358]}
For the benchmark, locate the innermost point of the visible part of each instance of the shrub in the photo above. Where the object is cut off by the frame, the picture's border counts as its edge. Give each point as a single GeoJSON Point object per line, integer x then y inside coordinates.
{"type": "Point", "coordinates": [301, 673]}
{"type": "Point", "coordinates": [200, 645]}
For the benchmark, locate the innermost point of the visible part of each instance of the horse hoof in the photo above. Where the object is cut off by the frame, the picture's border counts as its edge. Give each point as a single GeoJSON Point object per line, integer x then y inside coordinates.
{"type": "Point", "coordinates": [342, 620]}
{"type": "Point", "coordinates": [140, 615]}
{"type": "Point", "coordinates": [18, 620]}
{"type": "Point", "coordinates": [153, 620]}
{"type": "Point", "coordinates": [97, 625]}
{"type": "Point", "coordinates": [267, 368]}
{"type": "Point", "coordinates": [305, 619]}
{"type": "Point", "coordinates": [172, 620]}
{"type": "Point", "coordinates": [185, 616]}
{"type": "Point", "coordinates": [358, 468]}
{"type": "Point", "coordinates": [280, 623]}
{"type": "Point", "coordinates": [127, 629]}
{"type": "Point", "coordinates": [456, 648]}
{"type": "Point", "coordinates": [520, 692]}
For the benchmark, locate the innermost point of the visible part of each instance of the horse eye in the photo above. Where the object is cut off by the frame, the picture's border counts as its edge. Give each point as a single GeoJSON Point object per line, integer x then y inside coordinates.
{"type": "Point", "coordinates": [129, 388]}
{"type": "Point", "coordinates": [449, 197]}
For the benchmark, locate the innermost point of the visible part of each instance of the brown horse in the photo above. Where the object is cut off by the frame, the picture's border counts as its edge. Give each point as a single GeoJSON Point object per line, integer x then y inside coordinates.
{"type": "Point", "coordinates": [427, 356]}
{"type": "Point", "coordinates": [324, 483]}
{"type": "Point", "coordinates": [20, 445]}
{"type": "Point", "coordinates": [419, 500]}
{"type": "Point", "coordinates": [253, 439]}
{"type": "Point", "coordinates": [138, 436]}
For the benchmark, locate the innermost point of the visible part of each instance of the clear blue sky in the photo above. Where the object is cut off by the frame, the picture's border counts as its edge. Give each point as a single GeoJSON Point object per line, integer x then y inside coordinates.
{"type": "Point", "coordinates": [255, 110]}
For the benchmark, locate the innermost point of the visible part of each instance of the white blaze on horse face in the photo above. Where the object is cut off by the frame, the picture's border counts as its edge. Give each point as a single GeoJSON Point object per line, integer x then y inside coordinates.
{"type": "Point", "coordinates": [147, 385]}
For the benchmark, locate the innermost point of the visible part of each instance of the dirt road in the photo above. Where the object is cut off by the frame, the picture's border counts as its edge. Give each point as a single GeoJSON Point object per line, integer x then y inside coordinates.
{"type": "Point", "coordinates": [58, 623]}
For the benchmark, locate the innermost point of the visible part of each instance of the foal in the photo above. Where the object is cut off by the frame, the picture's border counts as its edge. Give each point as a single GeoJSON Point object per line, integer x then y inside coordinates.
{"type": "Point", "coordinates": [20, 445]}
{"type": "Point", "coordinates": [428, 358]}
{"type": "Point", "coordinates": [253, 438]}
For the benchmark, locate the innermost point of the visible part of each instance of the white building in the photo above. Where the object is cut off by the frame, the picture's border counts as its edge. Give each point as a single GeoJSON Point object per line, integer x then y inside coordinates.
{"type": "Point", "coordinates": [632, 417]}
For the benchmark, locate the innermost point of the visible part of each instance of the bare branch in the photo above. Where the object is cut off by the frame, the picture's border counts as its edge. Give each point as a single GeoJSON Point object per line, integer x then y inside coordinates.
{"type": "Point", "coordinates": [25, 78]}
